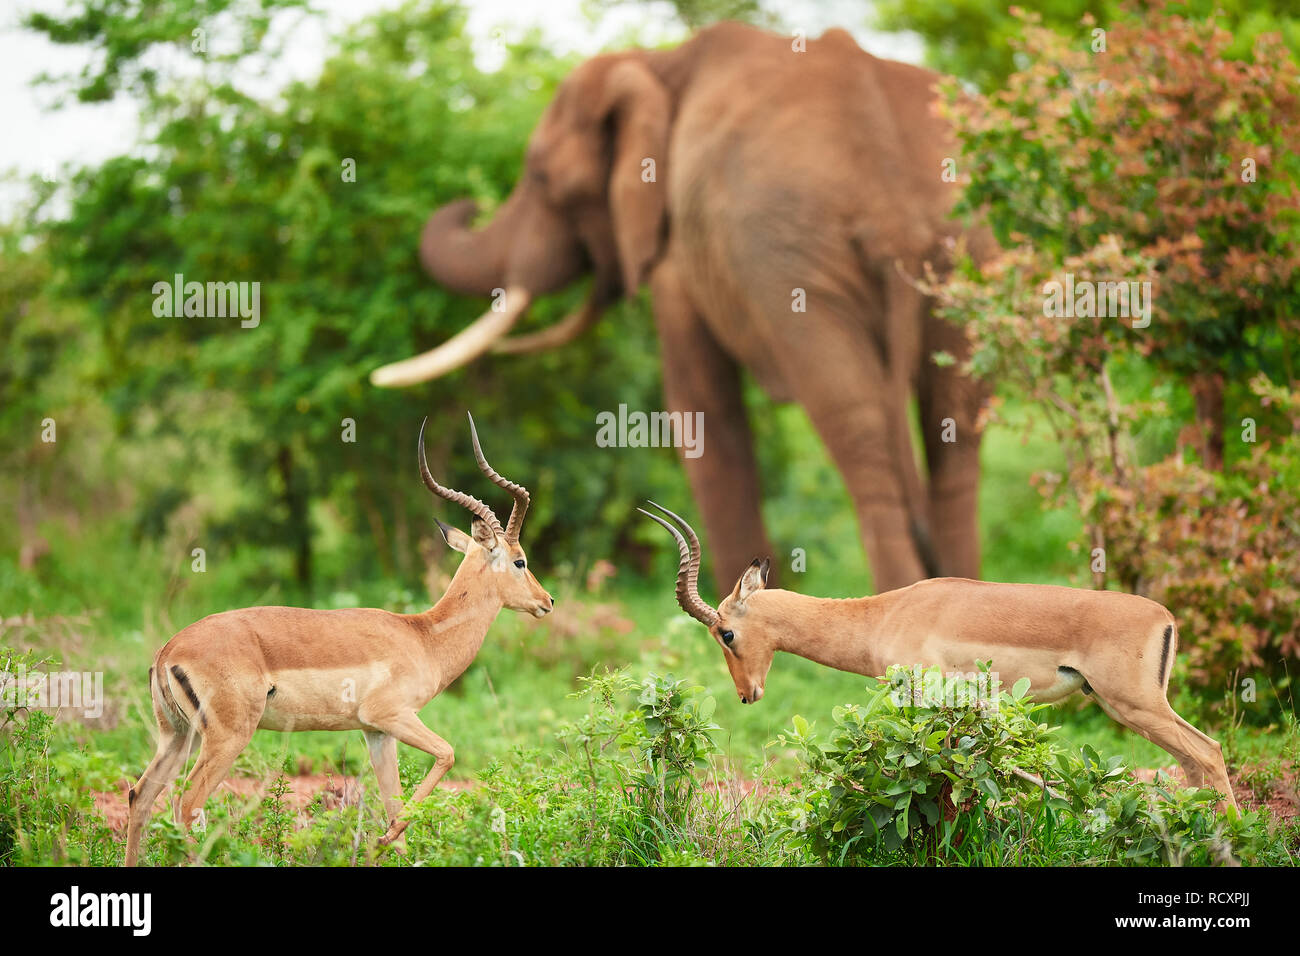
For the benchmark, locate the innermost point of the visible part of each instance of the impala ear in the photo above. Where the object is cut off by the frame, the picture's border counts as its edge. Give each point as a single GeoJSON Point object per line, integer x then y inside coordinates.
{"type": "Point", "coordinates": [638, 105]}
{"type": "Point", "coordinates": [754, 579]}
{"type": "Point", "coordinates": [484, 536]}
{"type": "Point", "coordinates": [456, 539]}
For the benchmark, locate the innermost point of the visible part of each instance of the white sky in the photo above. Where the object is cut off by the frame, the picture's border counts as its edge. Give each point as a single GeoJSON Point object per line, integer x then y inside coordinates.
{"type": "Point", "coordinates": [36, 139]}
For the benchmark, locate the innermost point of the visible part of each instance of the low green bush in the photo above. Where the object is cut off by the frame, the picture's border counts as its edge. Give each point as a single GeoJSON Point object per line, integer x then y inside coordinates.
{"type": "Point", "coordinates": [958, 774]}
{"type": "Point", "coordinates": [972, 776]}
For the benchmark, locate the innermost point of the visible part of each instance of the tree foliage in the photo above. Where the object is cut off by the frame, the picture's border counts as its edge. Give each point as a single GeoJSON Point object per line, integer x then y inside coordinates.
{"type": "Point", "coordinates": [1126, 168]}
{"type": "Point", "coordinates": [975, 39]}
{"type": "Point", "coordinates": [318, 195]}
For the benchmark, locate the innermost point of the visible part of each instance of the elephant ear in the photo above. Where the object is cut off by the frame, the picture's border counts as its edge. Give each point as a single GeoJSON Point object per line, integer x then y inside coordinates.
{"type": "Point", "coordinates": [637, 104]}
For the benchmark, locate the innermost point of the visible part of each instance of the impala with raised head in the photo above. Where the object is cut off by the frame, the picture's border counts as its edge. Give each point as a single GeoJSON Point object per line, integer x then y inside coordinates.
{"type": "Point", "coordinates": [285, 668]}
{"type": "Point", "coordinates": [1117, 647]}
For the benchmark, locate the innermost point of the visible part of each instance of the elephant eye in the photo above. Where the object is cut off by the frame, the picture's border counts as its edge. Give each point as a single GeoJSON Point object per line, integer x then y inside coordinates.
{"type": "Point", "coordinates": [728, 637]}
{"type": "Point", "coordinates": [519, 563]}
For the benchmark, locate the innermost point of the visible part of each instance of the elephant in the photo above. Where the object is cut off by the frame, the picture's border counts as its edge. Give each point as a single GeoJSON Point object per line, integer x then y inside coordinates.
{"type": "Point", "coordinates": [779, 198]}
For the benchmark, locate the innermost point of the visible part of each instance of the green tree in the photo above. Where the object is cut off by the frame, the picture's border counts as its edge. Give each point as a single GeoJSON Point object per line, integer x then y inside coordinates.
{"type": "Point", "coordinates": [1166, 169]}
{"type": "Point", "coordinates": [700, 13]}
{"type": "Point", "coordinates": [318, 195]}
{"type": "Point", "coordinates": [974, 39]}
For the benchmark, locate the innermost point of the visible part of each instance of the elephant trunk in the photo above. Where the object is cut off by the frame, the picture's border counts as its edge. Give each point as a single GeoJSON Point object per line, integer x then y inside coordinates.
{"type": "Point", "coordinates": [466, 261]}
{"type": "Point", "coordinates": [527, 250]}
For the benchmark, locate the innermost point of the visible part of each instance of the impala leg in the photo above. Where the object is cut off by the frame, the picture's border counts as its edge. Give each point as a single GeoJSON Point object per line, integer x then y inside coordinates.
{"type": "Point", "coordinates": [164, 767]}
{"type": "Point", "coordinates": [218, 749]}
{"type": "Point", "coordinates": [383, 757]}
{"type": "Point", "coordinates": [1216, 770]}
{"type": "Point", "coordinates": [174, 800]}
{"type": "Point", "coordinates": [412, 732]}
{"type": "Point", "coordinates": [1199, 755]}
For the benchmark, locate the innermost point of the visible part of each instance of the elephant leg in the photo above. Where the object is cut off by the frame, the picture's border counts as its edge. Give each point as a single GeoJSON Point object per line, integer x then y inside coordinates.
{"type": "Point", "coordinates": [700, 377]}
{"type": "Point", "coordinates": [843, 384]}
{"type": "Point", "coordinates": [906, 308]}
{"type": "Point", "coordinates": [950, 404]}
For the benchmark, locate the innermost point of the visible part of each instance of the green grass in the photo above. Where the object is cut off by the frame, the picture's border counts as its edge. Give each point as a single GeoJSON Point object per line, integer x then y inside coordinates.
{"type": "Point", "coordinates": [105, 602]}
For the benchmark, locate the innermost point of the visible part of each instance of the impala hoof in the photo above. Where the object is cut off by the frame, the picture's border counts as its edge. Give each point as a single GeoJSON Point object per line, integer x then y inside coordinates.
{"type": "Point", "coordinates": [396, 835]}
{"type": "Point", "coordinates": [396, 844]}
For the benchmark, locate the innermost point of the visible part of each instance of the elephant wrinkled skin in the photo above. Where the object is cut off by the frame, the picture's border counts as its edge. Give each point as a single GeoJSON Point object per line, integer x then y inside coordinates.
{"type": "Point", "coordinates": [778, 174]}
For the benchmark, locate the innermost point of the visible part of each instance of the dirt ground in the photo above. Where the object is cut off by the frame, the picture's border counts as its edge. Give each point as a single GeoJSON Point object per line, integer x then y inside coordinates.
{"type": "Point", "coordinates": [1281, 794]}
{"type": "Point", "coordinates": [1251, 788]}
{"type": "Point", "coordinates": [335, 791]}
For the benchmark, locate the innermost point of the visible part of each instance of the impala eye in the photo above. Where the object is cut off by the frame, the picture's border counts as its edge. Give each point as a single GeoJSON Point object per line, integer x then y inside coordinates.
{"type": "Point", "coordinates": [519, 563]}
{"type": "Point", "coordinates": [728, 637]}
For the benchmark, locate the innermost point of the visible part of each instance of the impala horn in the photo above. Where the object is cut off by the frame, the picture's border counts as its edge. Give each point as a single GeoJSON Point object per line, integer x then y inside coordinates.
{"type": "Point", "coordinates": [688, 570]}
{"type": "Point", "coordinates": [518, 492]}
{"type": "Point", "coordinates": [476, 507]}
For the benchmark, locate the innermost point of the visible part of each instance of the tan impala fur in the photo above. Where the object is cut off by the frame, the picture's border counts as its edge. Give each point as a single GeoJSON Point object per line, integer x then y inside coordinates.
{"type": "Point", "coordinates": [288, 668]}
{"type": "Point", "coordinates": [1118, 647]}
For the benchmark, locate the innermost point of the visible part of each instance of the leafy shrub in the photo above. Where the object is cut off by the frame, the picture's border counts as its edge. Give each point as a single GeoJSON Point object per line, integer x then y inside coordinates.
{"type": "Point", "coordinates": [629, 786]}
{"type": "Point", "coordinates": [46, 811]}
{"type": "Point", "coordinates": [1159, 161]}
{"type": "Point", "coordinates": [669, 740]}
{"type": "Point", "coordinates": [973, 38]}
{"type": "Point", "coordinates": [1160, 825]}
{"type": "Point", "coordinates": [1221, 548]}
{"type": "Point", "coordinates": [951, 781]}
{"type": "Point", "coordinates": [897, 775]}
{"type": "Point", "coordinates": [651, 755]}
{"type": "Point", "coordinates": [1187, 161]}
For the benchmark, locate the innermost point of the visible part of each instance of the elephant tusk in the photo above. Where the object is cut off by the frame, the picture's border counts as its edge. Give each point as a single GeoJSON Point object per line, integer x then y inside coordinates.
{"type": "Point", "coordinates": [460, 349]}
{"type": "Point", "coordinates": [553, 336]}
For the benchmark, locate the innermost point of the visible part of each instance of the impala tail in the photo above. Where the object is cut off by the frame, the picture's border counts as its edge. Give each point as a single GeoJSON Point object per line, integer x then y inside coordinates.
{"type": "Point", "coordinates": [169, 685]}
{"type": "Point", "coordinates": [1168, 648]}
